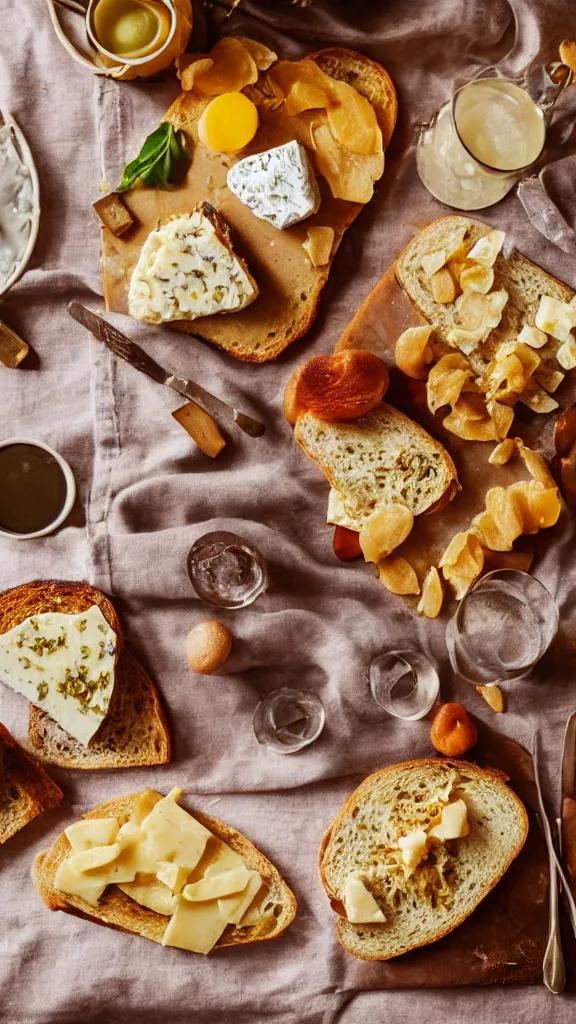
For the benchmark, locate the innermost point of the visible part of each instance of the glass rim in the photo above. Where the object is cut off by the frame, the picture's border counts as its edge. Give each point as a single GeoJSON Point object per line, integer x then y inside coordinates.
{"type": "Point", "coordinates": [501, 573]}
{"type": "Point", "coordinates": [489, 167]}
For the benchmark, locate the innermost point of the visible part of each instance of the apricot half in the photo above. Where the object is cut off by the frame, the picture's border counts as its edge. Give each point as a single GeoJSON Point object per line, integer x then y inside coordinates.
{"type": "Point", "coordinates": [453, 731]}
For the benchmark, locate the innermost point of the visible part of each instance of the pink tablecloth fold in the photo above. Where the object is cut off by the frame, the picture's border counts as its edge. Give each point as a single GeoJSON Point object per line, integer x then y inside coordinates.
{"type": "Point", "coordinates": [145, 495]}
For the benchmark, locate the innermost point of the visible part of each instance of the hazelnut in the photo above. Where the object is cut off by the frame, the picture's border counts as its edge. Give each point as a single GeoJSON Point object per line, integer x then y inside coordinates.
{"type": "Point", "coordinates": [208, 645]}
{"type": "Point", "coordinates": [453, 731]}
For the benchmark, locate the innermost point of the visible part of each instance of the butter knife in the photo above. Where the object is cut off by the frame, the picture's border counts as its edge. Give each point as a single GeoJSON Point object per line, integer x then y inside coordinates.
{"type": "Point", "coordinates": [128, 350]}
{"type": "Point", "coordinates": [569, 799]}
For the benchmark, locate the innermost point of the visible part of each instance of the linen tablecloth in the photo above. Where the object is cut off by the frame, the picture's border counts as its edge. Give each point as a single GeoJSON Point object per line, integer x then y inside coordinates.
{"type": "Point", "coordinates": [145, 495]}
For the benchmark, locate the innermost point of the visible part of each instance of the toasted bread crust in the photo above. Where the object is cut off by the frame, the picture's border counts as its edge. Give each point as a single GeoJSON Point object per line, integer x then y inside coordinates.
{"type": "Point", "coordinates": [492, 773]}
{"type": "Point", "coordinates": [118, 911]}
{"type": "Point", "coordinates": [69, 596]}
{"type": "Point", "coordinates": [37, 792]}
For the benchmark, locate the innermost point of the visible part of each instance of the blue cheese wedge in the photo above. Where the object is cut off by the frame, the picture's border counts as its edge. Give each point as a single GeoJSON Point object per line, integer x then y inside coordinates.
{"type": "Point", "coordinates": [65, 665]}
{"type": "Point", "coordinates": [278, 185]}
{"type": "Point", "coordinates": [187, 269]}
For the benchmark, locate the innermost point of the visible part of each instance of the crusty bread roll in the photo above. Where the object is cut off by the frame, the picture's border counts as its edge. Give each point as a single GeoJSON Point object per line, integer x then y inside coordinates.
{"type": "Point", "coordinates": [342, 387]}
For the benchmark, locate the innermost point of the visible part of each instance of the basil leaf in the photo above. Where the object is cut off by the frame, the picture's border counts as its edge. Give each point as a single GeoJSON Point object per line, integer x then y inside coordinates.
{"type": "Point", "coordinates": [161, 161]}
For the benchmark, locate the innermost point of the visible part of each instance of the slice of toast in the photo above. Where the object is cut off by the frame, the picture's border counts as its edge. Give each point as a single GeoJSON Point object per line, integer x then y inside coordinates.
{"type": "Point", "coordinates": [524, 281]}
{"type": "Point", "coordinates": [25, 788]}
{"type": "Point", "coordinates": [380, 459]}
{"type": "Point", "coordinates": [117, 910]}
{"type": "Point", "coordinates": [431, 902]}
{"type": "Point", "coordinates": [290, 286]}
{"type": "Point", "coordinates": [134, 732]}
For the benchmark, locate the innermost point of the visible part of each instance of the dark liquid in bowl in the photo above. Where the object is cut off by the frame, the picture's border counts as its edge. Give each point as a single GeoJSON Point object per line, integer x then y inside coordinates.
{"type": "Point", "coordinates": [32, 488]}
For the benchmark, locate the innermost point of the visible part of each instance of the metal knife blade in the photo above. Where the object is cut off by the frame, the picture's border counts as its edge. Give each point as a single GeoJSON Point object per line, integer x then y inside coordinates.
{"type": "Point", "coordinates": [569, 798]}
{"type": "Point", "coordinates": [128, 350]}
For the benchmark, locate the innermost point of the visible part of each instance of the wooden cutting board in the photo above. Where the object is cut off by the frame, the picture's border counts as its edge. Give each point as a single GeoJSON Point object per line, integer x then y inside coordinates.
{"type": "Point", "coordinates": [503, 941]}
{"type": "Point", "coordinates": [290, 286]}
{"type": "Point", "coordinates": [376, 327]}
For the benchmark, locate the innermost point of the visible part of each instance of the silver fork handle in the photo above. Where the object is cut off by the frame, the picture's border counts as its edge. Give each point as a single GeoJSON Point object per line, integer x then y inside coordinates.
{"type": "Point", "coordinates": [553, 972]}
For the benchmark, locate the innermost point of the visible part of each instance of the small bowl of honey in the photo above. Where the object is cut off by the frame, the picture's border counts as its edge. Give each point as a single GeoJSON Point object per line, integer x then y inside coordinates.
{"type": "Point", "coordinates": [127, 39]}
{"type": "Point", "coordinates": [37, 489]}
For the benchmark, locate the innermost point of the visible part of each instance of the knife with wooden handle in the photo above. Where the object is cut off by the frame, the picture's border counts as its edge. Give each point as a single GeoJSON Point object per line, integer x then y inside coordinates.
{"type": "Point", "coordinates": [128, 350]}
{"type": "Point", "coordinates": [569, 799]}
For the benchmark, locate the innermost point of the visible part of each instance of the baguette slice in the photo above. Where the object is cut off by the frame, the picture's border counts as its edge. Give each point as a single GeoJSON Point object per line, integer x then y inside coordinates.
{"type": "Point", "coordinates": [524, 281]}
{"type": "Point", "coordinates": [134, 732]}
{"type": "Point", "coordinates": [379, 459]}
{"type": "Point", "coordinates": [117, 910]}
{"type": "Point", "coordinates": [25, 788]}
{"type": "Point", "coordinates": [402, 798]}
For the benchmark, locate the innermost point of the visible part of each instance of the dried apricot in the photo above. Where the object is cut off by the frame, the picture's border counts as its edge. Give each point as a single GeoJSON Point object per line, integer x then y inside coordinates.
{"type": "Point", "coordinates": [453, 731]}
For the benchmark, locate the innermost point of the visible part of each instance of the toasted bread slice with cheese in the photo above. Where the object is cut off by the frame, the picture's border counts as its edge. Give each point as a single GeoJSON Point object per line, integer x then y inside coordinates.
{"type": "Point", "coordinates": [117, 910]}
{"type": "Point", "coordinates": [380, 459]}
{"type": "Point", "coordinates": [25, 788]}
{"type": "Point", "coordinates": [423, 903]}
{"type": "Point", "coordinates": [134, 732]}
{"type": "Point", "coordinates": [290, 286]}
{"type": "Point", "coordinates": [524, 281]}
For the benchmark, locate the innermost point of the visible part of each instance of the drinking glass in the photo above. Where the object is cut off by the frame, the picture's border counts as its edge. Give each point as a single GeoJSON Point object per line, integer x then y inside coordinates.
{"type": "Point", "coordinates": [226, 571]}
{"type": "Point", "coordinates": [288, 720]}
{"type": "Point", "coordinates": [404, 683]}
{"type": "Point", "coordinates": [501, 629]}
{"type": "Point", "coordinates": [488, 135]}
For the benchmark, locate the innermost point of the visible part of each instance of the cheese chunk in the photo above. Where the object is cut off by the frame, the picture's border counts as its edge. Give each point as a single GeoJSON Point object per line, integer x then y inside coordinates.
{"type": "Point", "coordinates": [433, 262]}
{"type": "Point", "coordinates": [228, 123]}
{"type": "Point", "coordinates": [233, 908]}
{"type": "Point", "coordinates": [150, 893]}
{"type": "Point", "coordinates": [83, 835]}
{"type": "Point", "coordinates": [215, 886]}
{"type": "Point", "coordinates": [337, 514]}
{"type": "Point", "coordinates": [532, 336]}
{"type": "Point", "coordinates": [174, 835]}
{"type": "Point", "coordinates": [194, 926]}
{"type": "Point", "coordinates": [566, 354]}
{"type": "Point", "coordinates": [172, 875]}
{"type": "Point", "coordinates": [75, 884]}
{"type": "Point", "coordinates": [487, 248]}
{"type": "Point", "coordinates": [413, 847]}
{"type": "Point", "coordinates": [278, 185]}
{"type": "Point", "coordinates": [555, 318]}
{"type": "Point", "coordinates": [454, 822]}
{"type": "Point", "coordinates": [65, 665]}
{"type": "Point", "coordinates": [186, 270]}
{"type": "Point", "coordinates": [91, 860]}
{"type": "Point", "coordinates": [360, 905]}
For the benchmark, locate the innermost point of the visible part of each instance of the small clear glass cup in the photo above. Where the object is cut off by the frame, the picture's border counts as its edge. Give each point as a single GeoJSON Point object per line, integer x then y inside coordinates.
{"type": "Point", "coordinates": [226, 571]}
{"type": "Point", "coordinates": [488, 135]}
{"type": "Point", "coordinates": [288, 720]}
{"type": "Point", "coordinates": [501, 628]}
{"type": "Point", "coordinates": [404, 683]}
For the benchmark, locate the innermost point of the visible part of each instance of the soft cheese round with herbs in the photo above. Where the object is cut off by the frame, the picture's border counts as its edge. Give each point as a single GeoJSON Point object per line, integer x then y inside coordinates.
{"type": "Point", "coordinates": [188, 269]}
{"type": "Point", "coordinates": [279, 185]}
{"type": "Point", "coordinates": [65, 665]}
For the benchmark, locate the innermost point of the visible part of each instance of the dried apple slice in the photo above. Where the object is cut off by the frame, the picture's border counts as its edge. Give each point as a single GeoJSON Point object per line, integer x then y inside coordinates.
{"type": "Point", "coordinates": [430, 604]}
{"type": "Point", "coordinates": [505, 514]}
{"type": "Point", "coordinates": [463, 561]}
{"type": "Point", "coordinates": [349, 175]}
{"type": "Point", "coordinates": [384, 531]}
{"type": "Point", "coordinates": [262, 55]}
{"type": "Point", "coordinates": [352, 120]}
{"type": "Point", "coordinates": [412, 353]}
{"type": "Point", "coordinates": [232, 70]}
{"type": "Point", "coordinates": [447, 380]}
{"type": "Point", "coordinates": [470, 420]}
{"type": "Point", "coordinates": [398, 576]}
{"type": "Point", "coordinates": [535, 464]}
{"type": "Point", "coordinates": [306, 96]}
{"type": "Point", "coordinates": [491, 536]}
{"type": "Point", "coordinates": [189, 66]}
{"type": "Point", "coordinates": [287, 72]}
